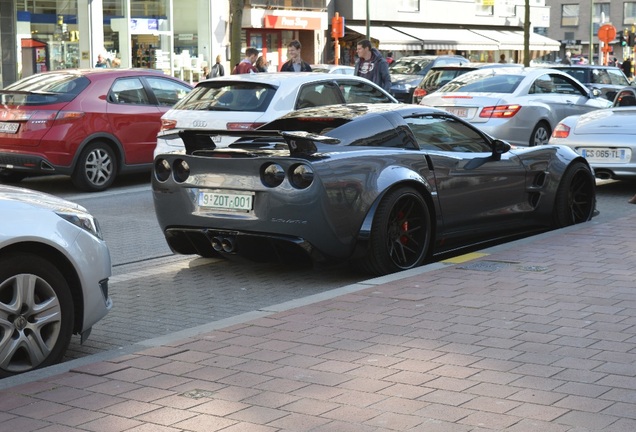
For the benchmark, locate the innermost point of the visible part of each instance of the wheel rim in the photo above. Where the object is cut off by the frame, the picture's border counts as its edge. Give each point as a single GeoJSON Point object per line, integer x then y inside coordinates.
{"type": "Point", "coordinates": [581, 198]}
{"type": "Point", "coordinates": [98, 167]}
{"type": "Point", "coordinates": [407, 232]}
{"type": "Point", "coordinates": [541, 136]}
{"type": "Point", "coordinates": [30, 322]}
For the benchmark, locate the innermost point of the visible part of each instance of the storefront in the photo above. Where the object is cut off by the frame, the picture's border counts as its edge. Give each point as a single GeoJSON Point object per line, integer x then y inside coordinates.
{"type": "Point", "coordinates": [270, 31]}
{"type": "Point", "coordinates": [158, 34]}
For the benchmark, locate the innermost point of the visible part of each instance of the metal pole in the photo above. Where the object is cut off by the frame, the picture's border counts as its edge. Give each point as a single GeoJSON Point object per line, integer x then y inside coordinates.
{"type": "Point", "coordinates": [591, 32]}
{"type": "Point", "coordinates": [368, 22]}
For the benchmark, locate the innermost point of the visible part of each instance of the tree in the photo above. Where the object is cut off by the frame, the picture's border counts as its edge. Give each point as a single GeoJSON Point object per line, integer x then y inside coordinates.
{"type": "Point", "coordinates": [236, 14]}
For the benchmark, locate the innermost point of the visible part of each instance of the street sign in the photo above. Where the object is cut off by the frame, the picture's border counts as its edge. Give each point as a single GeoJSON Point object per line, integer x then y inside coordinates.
{"type": "Point", "coordinates": [606, 33]}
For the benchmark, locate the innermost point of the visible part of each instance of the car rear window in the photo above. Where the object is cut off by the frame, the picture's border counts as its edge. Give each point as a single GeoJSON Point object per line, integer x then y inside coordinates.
{"type": "Point", "coordinates": [409, 66]}
{"type": "Point", "coordinates": [228, 96]}
{"type": "Point", "coordinates": [482, 83]}
{"type": "Point", "coordinates": [44, 89]}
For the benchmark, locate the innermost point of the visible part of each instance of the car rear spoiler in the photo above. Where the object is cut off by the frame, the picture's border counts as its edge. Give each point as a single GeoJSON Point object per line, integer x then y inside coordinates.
{"type": "Point", "coordinates": [297, 141]}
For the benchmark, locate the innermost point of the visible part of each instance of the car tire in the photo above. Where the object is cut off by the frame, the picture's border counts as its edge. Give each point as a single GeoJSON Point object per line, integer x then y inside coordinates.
{"type": "Point", "coordinates": [400, 235]}
{"type": "Point", "coordinates": [575, 200]}
{"type": "Point", "coordinates": [96, 168]}
{"type": "Point", "coordinates": [540, 134]}
{"type": "Point", "coordinates": [36, 313]}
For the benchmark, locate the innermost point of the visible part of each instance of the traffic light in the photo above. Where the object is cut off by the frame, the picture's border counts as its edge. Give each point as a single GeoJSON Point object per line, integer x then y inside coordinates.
{"type": "Point", "coordinates": [622, 38]}
{"type": "Point", "coordinates": [630, 39]}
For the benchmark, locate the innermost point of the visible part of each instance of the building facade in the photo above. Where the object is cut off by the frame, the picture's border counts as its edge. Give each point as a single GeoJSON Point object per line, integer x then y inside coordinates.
{"type": "Point", "coordinates": [575, 23]}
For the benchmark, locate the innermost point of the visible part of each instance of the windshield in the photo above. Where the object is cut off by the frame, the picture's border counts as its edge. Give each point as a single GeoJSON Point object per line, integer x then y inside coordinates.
{"type": "Point", "coordinates": [477, 82]}
{"type": "Point", "coordinates": [228, 96]}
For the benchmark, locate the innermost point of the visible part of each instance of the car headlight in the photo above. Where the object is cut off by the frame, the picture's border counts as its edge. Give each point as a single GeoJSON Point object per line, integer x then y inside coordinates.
{"type": "Point", "coordinates": [83, 220]}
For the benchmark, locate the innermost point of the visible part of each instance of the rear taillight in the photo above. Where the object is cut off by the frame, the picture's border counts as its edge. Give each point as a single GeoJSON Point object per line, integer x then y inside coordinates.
{"type": "Point", "coordinates": [500, 111]}
{"type": "Point", "coordinates": [561, 131]}
{"type": "Point", "coordinates": [243, 126]}
{"type": "Point", "coordinates": [168, 125]}
{"type": "Point", "coordinates": [419, 93]}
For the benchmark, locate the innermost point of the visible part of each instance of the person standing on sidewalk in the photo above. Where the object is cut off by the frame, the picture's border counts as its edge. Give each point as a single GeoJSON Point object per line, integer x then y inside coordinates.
{"type": "Point", "coordinates": [372, 65]}
{"type": "Point", "coordinates": [247, 64]}
{"type": "Point", "coordinates": [295, 62]}
{"type": "Point", "coordinates": [217, 69]}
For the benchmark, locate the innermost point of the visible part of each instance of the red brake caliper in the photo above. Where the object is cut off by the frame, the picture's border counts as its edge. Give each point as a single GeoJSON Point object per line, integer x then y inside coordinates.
{"type": "Point", "coordinates": [405, 228]}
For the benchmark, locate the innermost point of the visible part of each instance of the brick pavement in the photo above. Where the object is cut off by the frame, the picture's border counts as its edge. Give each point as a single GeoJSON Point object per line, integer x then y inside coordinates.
{"type": "Point", "coordinates": [535, 335]}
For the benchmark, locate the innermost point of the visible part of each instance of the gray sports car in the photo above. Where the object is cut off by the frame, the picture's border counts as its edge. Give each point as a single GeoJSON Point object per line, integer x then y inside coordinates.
{"type": "Point", "coordinates": [383, 186]}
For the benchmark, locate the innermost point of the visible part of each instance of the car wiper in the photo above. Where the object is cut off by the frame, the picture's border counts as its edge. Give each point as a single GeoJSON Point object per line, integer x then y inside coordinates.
{"type": "Point", "coordinates": [218, 108]}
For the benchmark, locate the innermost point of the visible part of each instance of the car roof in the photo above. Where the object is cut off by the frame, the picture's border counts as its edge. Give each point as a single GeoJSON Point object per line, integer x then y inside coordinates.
{"type": "Point", "coordinates": [583, 66]}
{"type": "Point", "coordinates": [106, 72]}
{"type": "Point", "coordinates": [330, 66]}
{"type": "Point", "coordinates": [278, 78]}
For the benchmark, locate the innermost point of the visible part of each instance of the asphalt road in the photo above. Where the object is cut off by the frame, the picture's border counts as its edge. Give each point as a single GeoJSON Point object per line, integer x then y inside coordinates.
{"type": "Point", "coordinates": [157, 293]}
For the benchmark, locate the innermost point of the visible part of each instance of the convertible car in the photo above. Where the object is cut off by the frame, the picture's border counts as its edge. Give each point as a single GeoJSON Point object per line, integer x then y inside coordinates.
{"type": "Point", "coordinates": [382, 186]}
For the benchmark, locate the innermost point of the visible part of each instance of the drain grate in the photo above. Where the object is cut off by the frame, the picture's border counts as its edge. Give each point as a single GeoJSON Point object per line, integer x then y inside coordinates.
{"type": "Point", "coordinates": [486, 266]}
{"type": "Point", "coordinates": [537, 269]}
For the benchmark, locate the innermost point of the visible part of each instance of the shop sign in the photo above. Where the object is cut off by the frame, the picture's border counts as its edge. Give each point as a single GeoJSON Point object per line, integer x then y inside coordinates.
{"type": "Point", "coordinates": [292, 22]}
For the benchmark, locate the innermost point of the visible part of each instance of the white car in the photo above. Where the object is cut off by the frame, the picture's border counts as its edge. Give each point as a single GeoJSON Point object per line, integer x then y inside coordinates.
{"type": "Point", "coordinates": [606, 138]}
{"type": "Point", "coordinates": [333, 68]}
{"type": "Point", "coordinates": [54, 270]}
{"type": "Point", "coordinates": [243, 102]}
{"type": "Point", "coordinates": [516, 104]}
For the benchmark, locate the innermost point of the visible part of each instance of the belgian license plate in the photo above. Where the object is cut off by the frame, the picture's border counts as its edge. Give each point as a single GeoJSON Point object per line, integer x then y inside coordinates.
{"type": "Point", "coordinates": [615, 155]}
{"type": "Point", "coordinates": [222, 200]}
{"type": "Point", "coordinates": [9, 127]}
{"type": "Point", "coordinates": [459, 112]}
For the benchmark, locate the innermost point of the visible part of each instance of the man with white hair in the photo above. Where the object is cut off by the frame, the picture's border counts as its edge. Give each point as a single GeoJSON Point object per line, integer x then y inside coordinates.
{"type": "Point", "coordinates": [567, 60]}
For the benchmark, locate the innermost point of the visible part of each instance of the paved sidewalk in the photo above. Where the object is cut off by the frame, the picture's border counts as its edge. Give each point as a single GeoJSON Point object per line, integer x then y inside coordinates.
{"type": "Point", "coordinates": [537, 335]}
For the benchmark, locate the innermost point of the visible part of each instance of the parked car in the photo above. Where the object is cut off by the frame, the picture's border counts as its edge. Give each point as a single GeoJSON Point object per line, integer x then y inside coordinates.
{"type": "Point", "coordinates": [383, 186]}
{"type": "Point", "coordinates": [332, 68]}
{"type": "Point", "coordinates": [516, 104]}
{"type": "Point", "coordinates": [606, 138]}
{"type": "Point", "coordinates": [407, 72]}
{"type": "Point", "coordinates": [54, 270]}
{"type": "Point", "coordinates": [437, 76]}
{"type": "Point", "coordinates": [90, 124]}
{"type": "Point", "coordinates": [243, 102]}
{"type": "Point", "coordinates": [608, 79]}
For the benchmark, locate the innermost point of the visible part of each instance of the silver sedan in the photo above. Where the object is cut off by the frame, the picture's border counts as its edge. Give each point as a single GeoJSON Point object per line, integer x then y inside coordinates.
{"type": "Point", "coordinates": [606, 138]}
{"type": "Point", "coordinates": [518, 105]}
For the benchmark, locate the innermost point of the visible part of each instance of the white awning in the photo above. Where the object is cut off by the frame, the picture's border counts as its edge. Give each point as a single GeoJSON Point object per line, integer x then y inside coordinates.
{"type": "Point", "coordinates": [513, 40]}
{"type": "Point", "coordinates": [389, 39]}
{"type": "Point", "coordinates": [415, 38]}
{"type": "Point", "coordinates": [449, 39]}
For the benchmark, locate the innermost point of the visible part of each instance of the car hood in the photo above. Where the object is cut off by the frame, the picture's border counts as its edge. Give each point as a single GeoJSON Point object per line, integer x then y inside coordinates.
{"type": "Point", "coordinates": [405, 79]}
{"type": "Point", "coordinates": [607, 121]}
{"type": "Point", "coordinates": [36, 199]}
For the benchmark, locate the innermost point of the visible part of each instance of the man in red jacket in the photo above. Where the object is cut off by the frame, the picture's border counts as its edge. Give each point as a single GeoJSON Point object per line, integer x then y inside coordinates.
{"type": "Point", "coordinates": [247, 64]}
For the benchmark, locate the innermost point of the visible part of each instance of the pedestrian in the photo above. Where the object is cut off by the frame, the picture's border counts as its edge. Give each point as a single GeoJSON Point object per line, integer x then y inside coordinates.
{"type": "Point", "coordinates": [247, 64]}
{"type": "Point", "coordinates": [217, 68]}
{"type": "Point", "coordinates": [567, 59]}
{"type": "Point", "coordinates": [206, 72]}
{"type": "Point", "coordinates": [389, 57]}
{"type": "Point", "coordinates": [295, 62]}
{"type": "Point", "coordinates": [101, 63]}
{"type": "Point", "coordinates": [627, 67]}
{"type": "Point", "coordinates": [116, 62]}
{"type": "Point", "coordinates": [502, 58]}
{"type": "Point", "coordinates": [372, 65]}
{"type": "Point", "coordinates": [260, 64]}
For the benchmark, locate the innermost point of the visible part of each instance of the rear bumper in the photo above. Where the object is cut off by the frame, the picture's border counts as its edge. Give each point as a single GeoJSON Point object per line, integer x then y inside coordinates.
{"type": "Point", "coordinates": [33, 164]}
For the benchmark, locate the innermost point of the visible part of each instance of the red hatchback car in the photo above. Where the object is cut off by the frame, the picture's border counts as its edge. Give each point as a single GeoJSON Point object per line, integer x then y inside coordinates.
{"type": "Point", "coordinates": [91, 124]}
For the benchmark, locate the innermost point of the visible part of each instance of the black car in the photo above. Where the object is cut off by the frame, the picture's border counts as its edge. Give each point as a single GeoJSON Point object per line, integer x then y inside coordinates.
{"type": "Point", "coordinates": [437, 76]}
{"type": "Point", "coordinates": [607, 79]}
{"type": "Point", "coordinates": [407, 72]}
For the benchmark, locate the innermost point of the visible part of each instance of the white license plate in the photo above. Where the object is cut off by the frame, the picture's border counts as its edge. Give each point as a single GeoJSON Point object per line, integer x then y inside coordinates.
{"type": "Point", "coordinates": [222, 200]}
{"type": "Point", "coordinates": [615, 155]}
{"type": "Point", "coordinates": [459, 112]}
{"type": "Point", "coordinates": [9, 127]}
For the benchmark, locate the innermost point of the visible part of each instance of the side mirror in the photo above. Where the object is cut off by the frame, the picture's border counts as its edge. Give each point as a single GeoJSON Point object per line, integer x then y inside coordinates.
{"type": "Point", "coordinates": [499, 147]}
{"type": "Point", "coordinates": [596, 92]}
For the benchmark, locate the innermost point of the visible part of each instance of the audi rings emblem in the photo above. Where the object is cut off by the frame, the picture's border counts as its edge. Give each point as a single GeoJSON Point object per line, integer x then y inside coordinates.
{"type": "Point", "coordinates": [199, 123]}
